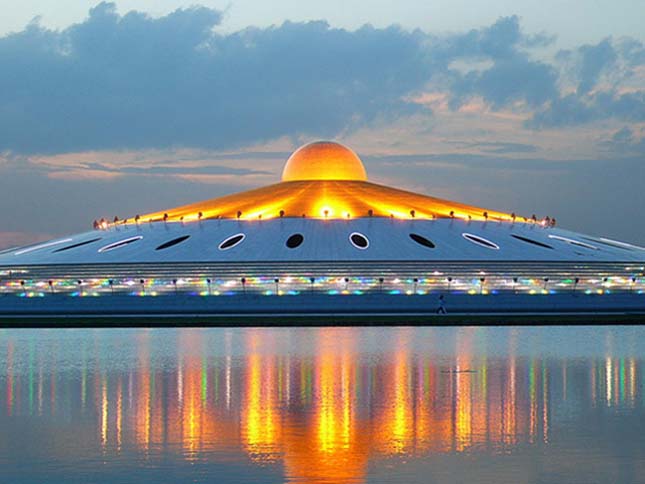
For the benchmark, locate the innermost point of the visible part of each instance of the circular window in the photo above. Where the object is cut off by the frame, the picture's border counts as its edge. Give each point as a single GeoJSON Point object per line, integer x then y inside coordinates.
{"type": "Point", "coordinates": [421, 240]}
{"type": "Point", "coordinates": [475, 239]}
{"type": "Point", "coordinates": [295, 240]}
{"type": "Point", "coordinates": [359, 241]}
{"type": "Point", "coordinates": [232, 241]}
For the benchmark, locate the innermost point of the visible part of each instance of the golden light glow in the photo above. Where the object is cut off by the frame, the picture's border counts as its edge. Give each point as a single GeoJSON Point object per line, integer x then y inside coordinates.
{"type": "Point", "coordinates": [104, 413]}
{"type": "Point", "coordinates": [260, 421]}
{"type": "Point", "coordinates": [336, 444]}
{"type": "Point", "coordinates": [312, 198]}
{"type": "Point", "coordinates": [144, 399]}
{"type": "Point", "coordinates": [323, 180]}
{"type": "Point", "coordinates": [324, 160]}
{"type": "Point", "coordinates": [463, 393]}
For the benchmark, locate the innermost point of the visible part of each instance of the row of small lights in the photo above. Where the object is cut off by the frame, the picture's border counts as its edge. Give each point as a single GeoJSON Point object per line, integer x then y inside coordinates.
{"type": "Point", "coordinates": [480, 282]}
{"type": "Point", "coordinates": [104, 224]}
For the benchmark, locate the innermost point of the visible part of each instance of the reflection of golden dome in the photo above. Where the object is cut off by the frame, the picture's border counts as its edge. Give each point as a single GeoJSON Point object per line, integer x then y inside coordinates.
{"type": "Point", "coordinates": [324, 160]}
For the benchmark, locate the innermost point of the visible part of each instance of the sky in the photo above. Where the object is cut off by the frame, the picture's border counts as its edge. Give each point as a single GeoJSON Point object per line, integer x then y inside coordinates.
{"type": "Point", "coordinates": [116, 109]}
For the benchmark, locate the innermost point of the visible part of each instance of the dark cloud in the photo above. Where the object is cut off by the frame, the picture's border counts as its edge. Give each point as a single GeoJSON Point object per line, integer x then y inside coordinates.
{"type": "Point", "coordinates": [565, 111]}
{"type": "Point", "coordinates": [575, 109]}
{"type": "Point", "coordinates": [498, 41]}
{"type": "Point", "coordinates": [131, 81]}
{"type": "Point", "coordinates": [513, 76]}
{"type": "Point", "coordinates": [134, 82]}
{"type": "Point", "coordinates": [501, 40]}
{"type": "Point", "coordinates": [510, 79]}
{"type": "Point", "coordinates": [625, 141]}
{"type": "Point", "coordinates": [598, 72]}
{"type": "Point", "coordinates": [633, 51]}
{"type": "Point", "coordinates": [595, 59]}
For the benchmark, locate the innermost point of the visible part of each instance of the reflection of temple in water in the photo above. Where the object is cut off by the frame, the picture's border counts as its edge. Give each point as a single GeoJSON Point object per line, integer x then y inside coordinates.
{"type": "Point", "coordinates": [327, 413]}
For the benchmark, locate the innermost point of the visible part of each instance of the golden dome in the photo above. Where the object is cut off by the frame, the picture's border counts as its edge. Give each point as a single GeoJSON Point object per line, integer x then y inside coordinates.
{"type": "Point", "coordinates": [324, 160]}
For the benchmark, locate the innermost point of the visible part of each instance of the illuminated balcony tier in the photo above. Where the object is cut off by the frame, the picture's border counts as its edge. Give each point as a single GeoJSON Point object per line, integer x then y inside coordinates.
{"type": "Point", "coordinates": [333, 199]}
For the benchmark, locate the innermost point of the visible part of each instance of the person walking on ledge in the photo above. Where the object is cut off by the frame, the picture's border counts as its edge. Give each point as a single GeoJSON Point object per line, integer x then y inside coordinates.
{"type": "Point", "coordinates": [442, 305]}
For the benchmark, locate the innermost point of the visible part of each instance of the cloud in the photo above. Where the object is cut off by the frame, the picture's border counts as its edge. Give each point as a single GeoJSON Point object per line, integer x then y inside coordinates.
{"type": "Point", "coordinates": [502, 40]}
{"type": "Point", "coordinates": [625, 141]}
{"type": "Point", "coordinates": [608, 77]}
{"type": "Point", "coordinates": [240, 168]}
{"type": "Point", "coordinates": [512, 74]}
{"type": "Point", "coordinates": [498, 147]}
{"type": "Point", "coordinates": [595, 59]}
{"type": "Point", "coordinates": [633, 51]}
{"type": "Point", "coordinates": [136, 82]}
{"type": "Point", "coordinates": [575, 109]}
{"type": "Point", "coordinates": [511, 79]}
{"type": "Point", "coordinates": [133, 81]}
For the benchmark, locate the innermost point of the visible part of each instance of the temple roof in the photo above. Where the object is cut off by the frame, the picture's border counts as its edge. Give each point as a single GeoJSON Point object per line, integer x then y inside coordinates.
{"type": "Point", "coordinates": [325, 180]}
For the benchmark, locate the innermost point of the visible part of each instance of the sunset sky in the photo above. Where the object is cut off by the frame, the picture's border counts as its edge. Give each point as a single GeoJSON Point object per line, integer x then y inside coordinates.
{"type": "Point", "coordinates": [117, 109]}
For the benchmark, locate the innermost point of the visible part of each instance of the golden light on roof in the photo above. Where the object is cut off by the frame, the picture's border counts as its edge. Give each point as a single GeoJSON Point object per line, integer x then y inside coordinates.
{"type": "Point", "coordinates": [325, 199]}
{"type": "Point", "coordinates": [324, 160]}
{"type": "Point", "coordinates": [324, 180]}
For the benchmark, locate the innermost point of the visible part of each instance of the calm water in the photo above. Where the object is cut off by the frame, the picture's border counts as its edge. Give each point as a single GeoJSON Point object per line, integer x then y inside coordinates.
{"type": "Point", "coordinates": [495, 405]}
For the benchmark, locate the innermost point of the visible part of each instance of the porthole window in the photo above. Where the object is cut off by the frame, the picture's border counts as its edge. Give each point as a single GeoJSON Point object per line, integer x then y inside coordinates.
{"type": "Point", "coordinates": [573, 242]}
{"type": "Point", "coordinates": [232, 241]}
{"type": "Point", "coordinates": [359, 241]}
{"type": "Point", "coordinates": [79, 244]}
{"type": "Point", "coordinates": [421, 240]}
{"type": "Point", "coordinates": [295, 240]}
{"type": "Point", "coordinates": [531, 241]}
{"type": "Point", "coordinates": [120, 243]}
{"type": "Point", "coordinates": [481, 241]}
{"type": "Point", "coordinates": [172, 242]}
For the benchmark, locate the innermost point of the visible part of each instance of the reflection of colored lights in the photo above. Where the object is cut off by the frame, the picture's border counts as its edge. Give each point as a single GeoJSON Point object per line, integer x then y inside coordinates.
{"type": "Point", "coordinates": [260, 421]}
{"type": "Point", "coordinates": [324, 413]}
{"type": "Point", "coordinates": [104, 413]}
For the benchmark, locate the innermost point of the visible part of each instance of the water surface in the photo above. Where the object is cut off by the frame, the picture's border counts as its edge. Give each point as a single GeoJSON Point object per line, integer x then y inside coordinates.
{"type": "Point", "coordinates": [314, 405]}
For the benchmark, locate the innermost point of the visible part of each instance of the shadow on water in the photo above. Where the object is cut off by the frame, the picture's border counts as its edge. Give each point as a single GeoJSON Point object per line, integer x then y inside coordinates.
{"type": "Point", "coordinates": [310, 405]}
